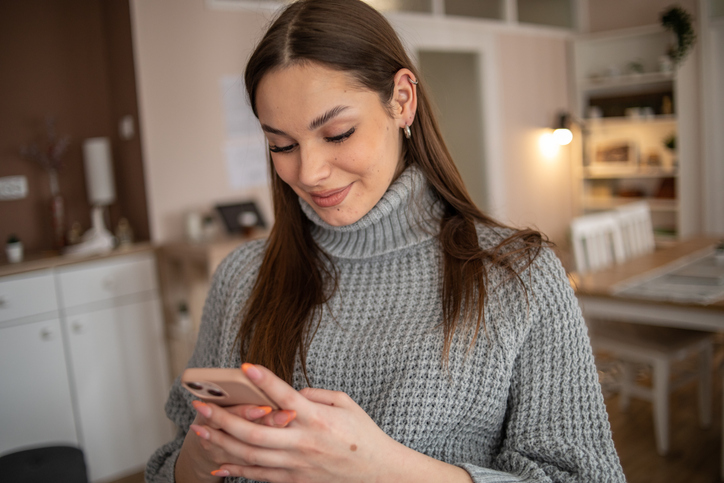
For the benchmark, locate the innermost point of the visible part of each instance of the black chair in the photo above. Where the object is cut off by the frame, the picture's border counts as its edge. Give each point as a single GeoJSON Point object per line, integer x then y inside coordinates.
{"type": "Point", "coordinates": [59, 464]}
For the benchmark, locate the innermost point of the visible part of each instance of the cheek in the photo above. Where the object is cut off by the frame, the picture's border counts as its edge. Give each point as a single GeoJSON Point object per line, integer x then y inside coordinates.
{"type": "Point", "coordinates": [284, 169]}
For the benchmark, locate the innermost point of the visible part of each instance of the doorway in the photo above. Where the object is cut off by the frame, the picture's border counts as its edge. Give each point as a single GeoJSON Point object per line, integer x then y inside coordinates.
{"type": "Point", "coordinates": [454, 79]}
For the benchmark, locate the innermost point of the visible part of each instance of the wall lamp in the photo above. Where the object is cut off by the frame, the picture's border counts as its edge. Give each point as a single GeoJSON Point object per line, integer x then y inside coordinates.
{"type": "Point", "coordinates": [562, 128]}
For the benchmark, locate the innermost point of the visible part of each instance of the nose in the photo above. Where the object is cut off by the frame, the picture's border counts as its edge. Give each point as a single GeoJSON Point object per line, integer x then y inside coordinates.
{"type": "Point", "coordinates": [313, 165]}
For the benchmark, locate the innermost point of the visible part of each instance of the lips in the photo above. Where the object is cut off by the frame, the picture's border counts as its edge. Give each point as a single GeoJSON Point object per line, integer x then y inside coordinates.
{"type": "Point", "coordinates": [330, 198]}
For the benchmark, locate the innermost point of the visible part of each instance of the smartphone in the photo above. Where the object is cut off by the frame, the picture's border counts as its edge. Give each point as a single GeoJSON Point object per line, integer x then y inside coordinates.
{"type": "Point", "coordinates": [225, 387]}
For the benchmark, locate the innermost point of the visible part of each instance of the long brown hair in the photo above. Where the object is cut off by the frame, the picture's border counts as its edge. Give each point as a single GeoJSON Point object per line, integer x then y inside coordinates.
{"type": "Point", "coordinates": [296, 277]}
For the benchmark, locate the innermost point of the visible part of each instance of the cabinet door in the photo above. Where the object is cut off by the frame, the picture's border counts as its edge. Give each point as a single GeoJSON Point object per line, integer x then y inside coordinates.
{"type": "Point", "coordinates": [119, 367]}
{"type": "Point", "coordinates": [35, 403]}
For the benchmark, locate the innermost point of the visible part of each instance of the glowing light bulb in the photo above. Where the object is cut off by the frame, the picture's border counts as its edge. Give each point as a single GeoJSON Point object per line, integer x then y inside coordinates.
{"type": "Point", "coordinates": [563, 136]}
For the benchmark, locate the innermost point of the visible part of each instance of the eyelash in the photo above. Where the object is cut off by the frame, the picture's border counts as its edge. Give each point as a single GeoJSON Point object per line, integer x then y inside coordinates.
{"type": "Point", "coordinates": [332, 139]}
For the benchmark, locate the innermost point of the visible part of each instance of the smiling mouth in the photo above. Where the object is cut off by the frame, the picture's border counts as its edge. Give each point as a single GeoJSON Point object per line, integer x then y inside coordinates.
{"type": "Point", "coordinates": [331, 198]}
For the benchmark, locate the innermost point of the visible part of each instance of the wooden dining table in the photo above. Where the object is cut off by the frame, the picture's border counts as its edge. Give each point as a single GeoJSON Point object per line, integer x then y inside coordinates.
{"type": "Point", "coordinates": [600, 296]}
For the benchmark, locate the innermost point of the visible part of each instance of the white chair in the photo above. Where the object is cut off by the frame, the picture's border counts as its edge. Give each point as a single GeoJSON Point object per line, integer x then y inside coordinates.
{"type": "Point", "coordinates": [637, 232]}
{"type": "Point", "coordinates": [602, 240]}
{"type": "Point", "coordinates": [597, 242]}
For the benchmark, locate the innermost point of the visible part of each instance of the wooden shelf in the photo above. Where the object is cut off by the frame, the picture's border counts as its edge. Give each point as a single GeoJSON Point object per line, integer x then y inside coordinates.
{"type": "Point", "coordinates": [608, 203]}
{"type": "Point", "coordinates": [625, 84]}
{"type": "Point", "coordinates": [589, 173]}
{"type": "Point", "coordinates": [599, 122]}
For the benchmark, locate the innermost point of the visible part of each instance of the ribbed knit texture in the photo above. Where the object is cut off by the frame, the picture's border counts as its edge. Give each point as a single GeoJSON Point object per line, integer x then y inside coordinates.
{"type": "Point", "coordinates": [524, 404]}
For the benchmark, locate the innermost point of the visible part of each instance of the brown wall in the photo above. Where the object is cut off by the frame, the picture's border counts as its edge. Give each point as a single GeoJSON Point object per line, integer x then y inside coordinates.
{"type": "Point", "coordinates": [72, 60]}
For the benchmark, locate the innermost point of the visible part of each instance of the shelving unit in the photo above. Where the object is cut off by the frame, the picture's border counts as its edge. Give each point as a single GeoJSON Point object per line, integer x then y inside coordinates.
{"type": "Point", "coordinates": [631, 103]}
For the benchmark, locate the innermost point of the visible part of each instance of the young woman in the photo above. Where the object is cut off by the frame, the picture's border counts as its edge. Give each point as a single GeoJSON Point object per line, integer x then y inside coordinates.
{"type": "Point", "coordinates": [405, 335]}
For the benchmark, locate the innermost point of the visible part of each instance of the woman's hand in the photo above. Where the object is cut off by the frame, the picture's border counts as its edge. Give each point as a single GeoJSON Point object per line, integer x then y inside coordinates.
{"type": "Point", "coordinates": [330, 439]}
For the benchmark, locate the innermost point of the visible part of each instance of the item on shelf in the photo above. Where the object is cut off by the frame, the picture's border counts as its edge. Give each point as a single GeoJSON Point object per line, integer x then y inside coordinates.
{"type": "Point", "coordinates": [667, 107]}
{"type": "Point", "coordinates": [667, 189]}
{"type": "Point", "coordinates": [670, 142]}
{"type": "Point", "coordinates": [652, 159]}
{"type": "Point", "coordinates": [630, 193]}
{"type": "Point", "coordinates": [14, 249]}
{"type": "Point", "coordinates": [635, 67]}
{"type": "Point", "coordinates": [74, 234]}
{"type": "Point", "coordinates": [615, 154]}
{"type": "Point", "coordinates": [594, 112]}
{"type": "Point", "coordinates": [601, 191]}
{"type": "Point", "coordinates": [241, 217]}
{"type": "Point", "coordinates": [101, 193]}
{"type": "Point", "coordinates": [194, 230]}
{"type": "Point", "coordinates": [48, 154]}
{"type": "Point", "coordinates": [209, 227]}
{"type": "Point", "coordinates": [633, 112]}
{"type": "Point", "coordinates": [666, 65]}
{"type": "Point", "coordinates": [124, 233]}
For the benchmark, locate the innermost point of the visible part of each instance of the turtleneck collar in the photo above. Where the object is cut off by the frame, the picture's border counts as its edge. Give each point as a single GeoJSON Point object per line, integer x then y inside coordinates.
{"type": "Point", "coordinates": [406, 215]}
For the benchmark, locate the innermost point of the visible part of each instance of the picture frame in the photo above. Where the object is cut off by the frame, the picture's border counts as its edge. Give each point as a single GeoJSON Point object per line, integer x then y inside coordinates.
{"type": "Point", "coordinates": [241, 217]}
{"type": "Point", "coordinates": [615, 155]}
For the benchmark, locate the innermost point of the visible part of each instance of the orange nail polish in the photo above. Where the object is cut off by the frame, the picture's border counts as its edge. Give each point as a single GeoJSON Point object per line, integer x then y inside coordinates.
{"type": "Point", "coordinates": [220, 473]}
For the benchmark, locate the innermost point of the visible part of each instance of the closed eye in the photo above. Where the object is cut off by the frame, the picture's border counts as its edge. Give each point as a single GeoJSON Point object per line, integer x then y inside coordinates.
{"type": "Point", "coordinates": [341, 137]}
{"type": "Point", "coordinates": [281, 149]}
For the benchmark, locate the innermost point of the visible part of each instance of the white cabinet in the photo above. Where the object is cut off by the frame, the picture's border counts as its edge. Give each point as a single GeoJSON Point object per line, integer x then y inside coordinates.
{"type": "Point", "coordinates": [35, 399]}
{"type": "Point", "coordinates": [632, 103]}
{"type": "Point", "coordinates": [96, 375]}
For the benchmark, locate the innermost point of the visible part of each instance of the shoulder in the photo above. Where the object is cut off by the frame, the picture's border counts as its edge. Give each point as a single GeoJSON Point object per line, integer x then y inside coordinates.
{"type": "Point", "coordinates": [525, 253]}
{"type": "Point", "coordinates": [242, 262]}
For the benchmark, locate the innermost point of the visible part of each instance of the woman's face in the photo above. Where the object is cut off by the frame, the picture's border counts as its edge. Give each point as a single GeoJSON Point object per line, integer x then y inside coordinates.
{"type": "Point", "coordinates": [334, 143]}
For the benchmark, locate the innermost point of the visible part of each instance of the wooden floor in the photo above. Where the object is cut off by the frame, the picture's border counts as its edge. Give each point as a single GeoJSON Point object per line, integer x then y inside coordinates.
{"type": "Point", "coordinates": [695, 452]}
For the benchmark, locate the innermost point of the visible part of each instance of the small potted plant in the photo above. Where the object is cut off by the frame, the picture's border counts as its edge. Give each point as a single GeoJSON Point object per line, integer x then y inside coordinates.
{"type": "Point", "coordinates": [14, 249]}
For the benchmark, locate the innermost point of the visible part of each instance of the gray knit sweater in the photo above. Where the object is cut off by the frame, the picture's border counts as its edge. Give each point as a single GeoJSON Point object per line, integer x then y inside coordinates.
{"type": "Point", "coordinates": [523, 405]}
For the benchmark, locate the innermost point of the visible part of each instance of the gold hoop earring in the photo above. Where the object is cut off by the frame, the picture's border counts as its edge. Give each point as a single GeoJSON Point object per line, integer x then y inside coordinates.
{"type": "Point", "coordinates": [408, 133]}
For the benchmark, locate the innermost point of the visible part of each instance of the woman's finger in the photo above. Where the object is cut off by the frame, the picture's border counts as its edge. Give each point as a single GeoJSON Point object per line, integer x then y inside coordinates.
{"type": "Point", "coordinates": [250, 412]}
{"type": "Point", "coordinates": [240, 452]}
{"type": "Point", "coordinates": [278, 390]}
{"type": "Point", "coordinates": [279, 419]}
{"type": "Point", "coordinates": [241, 429]}
{"type": "Point", "coordinates": [327, 397]}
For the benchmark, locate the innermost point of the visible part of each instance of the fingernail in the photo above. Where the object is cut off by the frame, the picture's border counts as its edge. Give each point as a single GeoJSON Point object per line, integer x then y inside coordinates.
{"type": "Point", "coordinates": [258, 412]}
{"type": "Point", "coordinates": [220, 473]}
{"type": "Point", "coordinates": [282, 418]}
{"type": "Point", "coordinates": [251, 371]}
{"type": "Point", "coordinates": [200, 431]}
{"type": "Point", "coordinates": [202, 409]}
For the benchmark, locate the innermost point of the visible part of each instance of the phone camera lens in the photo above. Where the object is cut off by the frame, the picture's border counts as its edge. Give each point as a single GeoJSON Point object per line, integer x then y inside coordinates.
{"type": "Point", "coordinates": [195, 386]}
{"type": "Point", "coordinates": [215, 393]}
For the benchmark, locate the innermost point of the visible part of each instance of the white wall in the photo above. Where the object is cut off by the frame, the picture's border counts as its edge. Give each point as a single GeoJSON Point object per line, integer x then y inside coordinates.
{"type": "Point", "coordinates": [182, 51]}
{"type": "Point", "coordinates": [533, 88]}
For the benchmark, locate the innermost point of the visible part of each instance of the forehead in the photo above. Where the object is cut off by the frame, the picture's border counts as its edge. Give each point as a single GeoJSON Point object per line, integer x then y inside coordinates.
{"type": "Point", "coordinates": [300, 92]}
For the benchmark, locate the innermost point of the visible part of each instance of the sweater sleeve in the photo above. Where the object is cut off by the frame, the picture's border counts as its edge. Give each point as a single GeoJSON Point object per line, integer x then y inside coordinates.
{"type": "Point", "coordinates": [556, 427]}
{"type": "Point", "coordinates": [160, 467]}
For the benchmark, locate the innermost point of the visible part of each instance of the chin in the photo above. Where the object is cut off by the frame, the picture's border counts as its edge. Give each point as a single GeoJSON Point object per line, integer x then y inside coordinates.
{"type": "Point", "coordinates": [338, 218]}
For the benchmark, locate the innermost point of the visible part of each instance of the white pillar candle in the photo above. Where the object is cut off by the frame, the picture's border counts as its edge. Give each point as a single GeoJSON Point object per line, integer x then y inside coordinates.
{"type": "Point", "coordinates": [99, 171]}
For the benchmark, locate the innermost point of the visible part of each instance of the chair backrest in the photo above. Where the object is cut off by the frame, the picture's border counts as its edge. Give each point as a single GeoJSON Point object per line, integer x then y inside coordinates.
{"type": "Point", "coordinates": [637, 231]}
{"type": "Point", "coordinates": [597, 242]}
{"type": "Point", "coordinates": [59, 464]}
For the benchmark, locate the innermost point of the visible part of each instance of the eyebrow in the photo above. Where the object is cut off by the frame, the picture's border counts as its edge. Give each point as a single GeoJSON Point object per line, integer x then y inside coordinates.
{"type": "Point", "coordinates": [316, 123]}
{"type": "Point", "coordinates": [326, 117]}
